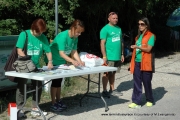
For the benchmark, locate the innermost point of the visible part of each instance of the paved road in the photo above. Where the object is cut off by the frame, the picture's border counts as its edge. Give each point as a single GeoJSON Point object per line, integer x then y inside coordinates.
{"type": "Point", "coordinates": [166, 91]}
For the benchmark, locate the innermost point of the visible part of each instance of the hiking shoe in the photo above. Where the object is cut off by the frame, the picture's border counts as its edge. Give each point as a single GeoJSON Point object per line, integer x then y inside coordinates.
{"type": "Point", "coordinates": [106, 94]}
{"type": "Point", "coordinates": [61, 104]}
{"type": "Point", "coordinates": [55, 108]}
{"type": "Point", "coordinates": [115, 92]}
{"type": "Point", "coordinates": [149, 104]}
{"type": "Point", "coordinates": [37, 114]}
{"type": "Point", "coordinates": [20, 114]}
{"type": "Point", "coordinates": [134, 105]}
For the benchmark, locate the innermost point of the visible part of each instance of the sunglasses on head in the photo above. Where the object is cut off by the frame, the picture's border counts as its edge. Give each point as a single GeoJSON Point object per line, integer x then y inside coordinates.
{"type": "Point", "coordinates": [112, 13]}
{"type": "Point", "coordinates": [141, 24]}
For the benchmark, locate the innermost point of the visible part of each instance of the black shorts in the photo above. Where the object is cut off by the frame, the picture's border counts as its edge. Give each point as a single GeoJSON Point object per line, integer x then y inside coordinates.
{"type": "Point", "coordinates": [56, 82]}
{"type": "Point", "coordinates": [116, 64]}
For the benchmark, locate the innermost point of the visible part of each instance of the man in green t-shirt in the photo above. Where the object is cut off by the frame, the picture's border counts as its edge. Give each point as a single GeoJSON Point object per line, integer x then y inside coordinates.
{"type": "Point", "coordinates": [112, 51]}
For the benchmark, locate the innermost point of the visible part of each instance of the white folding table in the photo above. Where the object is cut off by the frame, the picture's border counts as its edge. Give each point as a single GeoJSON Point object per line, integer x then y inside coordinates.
{"type": "Point", "coordinates": [69, 73]}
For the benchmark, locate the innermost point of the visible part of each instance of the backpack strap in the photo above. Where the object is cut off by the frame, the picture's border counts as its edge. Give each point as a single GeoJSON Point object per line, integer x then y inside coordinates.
{"type": "Point", "coordinates": [25, 45]}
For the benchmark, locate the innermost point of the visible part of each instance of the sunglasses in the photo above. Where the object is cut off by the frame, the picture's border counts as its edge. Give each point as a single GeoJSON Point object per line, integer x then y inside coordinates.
{"type": "Point", "coordinates": [112, 13]}
{"type": "Point", "coordinates": [141, 24]}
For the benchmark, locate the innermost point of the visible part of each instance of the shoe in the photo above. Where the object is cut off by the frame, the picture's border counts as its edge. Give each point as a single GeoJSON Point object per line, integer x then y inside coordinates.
{"type": "Point", "coordinates": [115, 92]}
{"type": "Point", "coordinates": [36, 114]}
{"type": "Point", "coordinates": [20, 114]}
{"type": "Point", "coordinates": [55, 108]}
{"type": "Point", "coordinates": [106, 94]}
{"type": "Point", "coordinates": [134, 105]}
{"type": "Point", "coordinates": [149, 104]}
{"type": "Point", "coordinates": [61, 104]}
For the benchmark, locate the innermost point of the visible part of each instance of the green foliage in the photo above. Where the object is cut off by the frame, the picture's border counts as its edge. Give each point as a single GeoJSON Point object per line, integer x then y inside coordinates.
{"type": "Point", "coordinates": [69, 82]}
{"type": "Point", "coordinates": [25, 11]}
{"type": "Point", "coordinates": [19, 14]}
{"type": "Point", "coordinates": [8, 27]}
{"type": "Point", "coordinates": [66, 9]}
{"type": "Point", "coordinates": [51, 29]}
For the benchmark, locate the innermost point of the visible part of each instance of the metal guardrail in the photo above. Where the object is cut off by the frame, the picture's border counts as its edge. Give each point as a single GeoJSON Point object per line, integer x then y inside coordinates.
{"type": "Point", "coordinates": [6, 45]}
{"type": "Point", "coordinates": [9, 40]}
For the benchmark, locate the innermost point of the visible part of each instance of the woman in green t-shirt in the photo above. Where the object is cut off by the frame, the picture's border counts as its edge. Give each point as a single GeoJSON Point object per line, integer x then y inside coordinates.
{"type": "Point", "coordinates": [37, 43]}
{"type": "Point", "coordinates": [142, 64]}
{"type": "Point", "coordinates": [63, 46]}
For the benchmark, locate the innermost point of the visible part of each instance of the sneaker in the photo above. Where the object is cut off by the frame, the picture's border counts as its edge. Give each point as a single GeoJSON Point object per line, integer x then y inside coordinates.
{"type": "Point", "coordinates": [55, 107]}
{"type": "Point", "coordinates": [115, 92]}
{"type": "Point", "coordinates": [134, 105]}
{"type": "Point", "coordinates": [20, 114]}
{"type": "Point", "coordinates": [149, 104]}
{"type": "Point", "coordinates": [106, 94]}
{"type": "Point", "coordinates": [61, 104]}
{"type": "Point", "coordinates": [36, 114]}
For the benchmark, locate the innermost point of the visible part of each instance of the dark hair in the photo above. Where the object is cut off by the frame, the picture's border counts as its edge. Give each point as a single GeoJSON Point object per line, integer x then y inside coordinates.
{"type": "Point", "coordinates": [38, 25]}
{"type": "Point", "coordinates": [146, 21]}
{"type": "Point", "coordinates": [76, 24]}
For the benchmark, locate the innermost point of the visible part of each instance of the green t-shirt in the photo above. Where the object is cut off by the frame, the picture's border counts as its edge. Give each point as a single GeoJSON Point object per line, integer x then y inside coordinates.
{"type": "Point", "coordinates": [113, 37]}
{"type": "Point", "coordinates": [35, 47]}
{"type": "Point", "coordinates": [62, 42]}
{"type": "Point", "coordinates": [138, 43]}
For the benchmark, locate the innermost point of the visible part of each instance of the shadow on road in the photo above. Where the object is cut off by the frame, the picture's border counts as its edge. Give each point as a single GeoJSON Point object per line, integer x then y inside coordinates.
{"type": "Point", "coordinates": [172, 73]}
{"type": "Point", "coordinates": [158, 94]}
{"type": "Point", "coordinates": [125, 86]}
{"type": "Point", "coordinates": [88, 104]}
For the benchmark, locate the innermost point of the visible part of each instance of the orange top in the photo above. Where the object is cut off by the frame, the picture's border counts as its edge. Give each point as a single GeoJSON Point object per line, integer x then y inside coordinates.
{"type": "Point", "coordinates": [147, 63]}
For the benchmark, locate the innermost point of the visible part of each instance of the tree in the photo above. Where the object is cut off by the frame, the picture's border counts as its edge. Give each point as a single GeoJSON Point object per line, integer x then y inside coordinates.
{"type": "Point", "coordinates": [25, 11]}
{"type": "Point", "coordinates": [94, 13]}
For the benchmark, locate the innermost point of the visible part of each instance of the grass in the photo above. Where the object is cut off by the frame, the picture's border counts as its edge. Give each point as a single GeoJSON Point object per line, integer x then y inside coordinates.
{"type": "Point", "coordinates": [72, 91]}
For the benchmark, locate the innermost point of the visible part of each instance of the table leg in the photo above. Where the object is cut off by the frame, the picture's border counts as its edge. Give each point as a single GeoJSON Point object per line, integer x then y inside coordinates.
{"type": "Point", "coordinates": [87, 90]}
{"type": "Point", "coordinates": [25, 98]}
{"type": "Point", "coordinates": [37, 101]}
{"type": "Point", "coordinates": [106, 107]}
{"type": "Point", "coordinates": [100, 96]}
